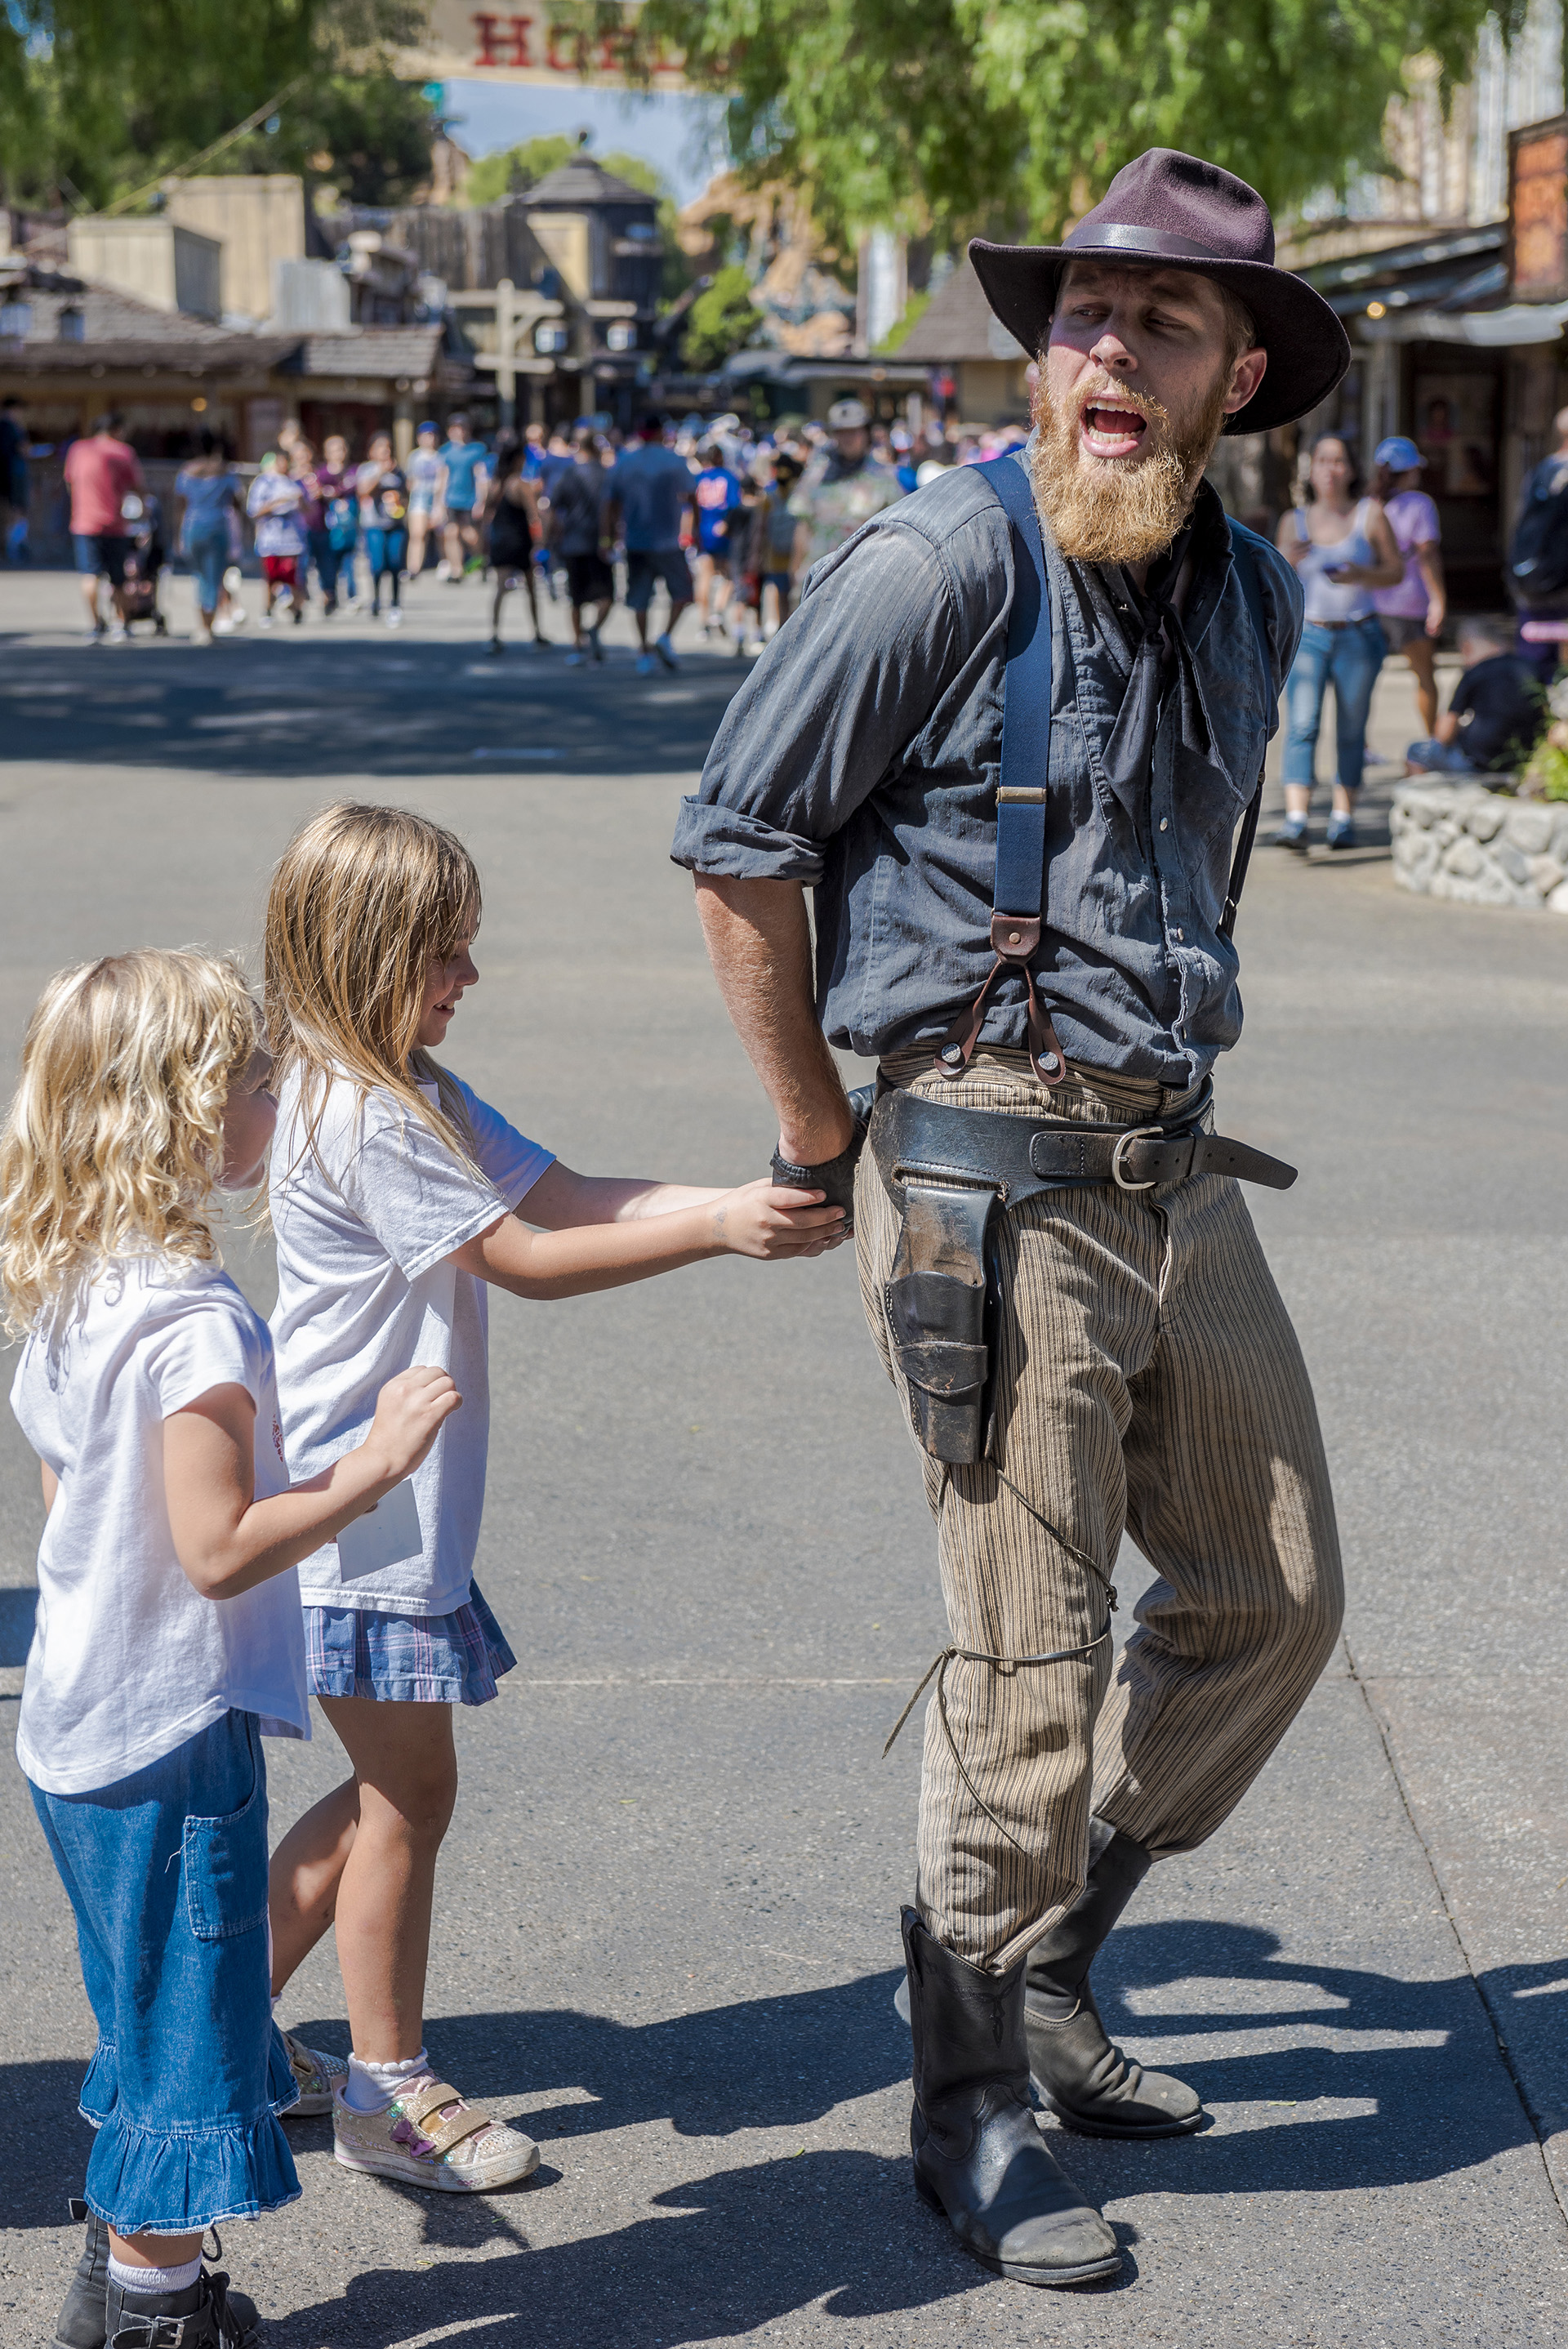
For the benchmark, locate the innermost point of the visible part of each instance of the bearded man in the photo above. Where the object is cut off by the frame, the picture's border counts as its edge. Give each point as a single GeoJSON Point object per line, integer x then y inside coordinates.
{"type": "Point", "coordinates": [1009, 741]}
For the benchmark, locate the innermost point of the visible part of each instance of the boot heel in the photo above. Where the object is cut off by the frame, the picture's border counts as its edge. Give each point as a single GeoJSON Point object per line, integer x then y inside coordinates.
{"type": "Point", "coordinates": [928, 2194]}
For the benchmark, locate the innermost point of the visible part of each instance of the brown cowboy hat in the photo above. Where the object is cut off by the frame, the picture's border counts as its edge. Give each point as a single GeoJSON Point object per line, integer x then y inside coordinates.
{"type": "Point", "coordinates": [1178, 212]}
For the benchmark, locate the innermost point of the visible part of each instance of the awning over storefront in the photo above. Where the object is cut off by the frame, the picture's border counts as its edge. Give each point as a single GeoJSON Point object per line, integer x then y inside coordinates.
{"type": "Point", "coordinates": [1517, 322]}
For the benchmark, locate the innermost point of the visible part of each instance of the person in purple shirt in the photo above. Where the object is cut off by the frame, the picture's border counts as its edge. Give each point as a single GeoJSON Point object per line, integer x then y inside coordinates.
{"type": "Point", "coordinates": [1412, 613]}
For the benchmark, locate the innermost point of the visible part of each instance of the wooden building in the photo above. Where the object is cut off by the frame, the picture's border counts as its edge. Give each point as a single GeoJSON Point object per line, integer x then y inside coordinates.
{"type": "Point", "coordinates": [71, 350]}
{"type": "Point", "coordinates": [977, 368]}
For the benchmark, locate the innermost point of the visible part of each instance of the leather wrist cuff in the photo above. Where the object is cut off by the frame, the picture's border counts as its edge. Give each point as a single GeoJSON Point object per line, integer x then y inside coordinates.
{"type": "Point", "coordinates": [836, 1177]}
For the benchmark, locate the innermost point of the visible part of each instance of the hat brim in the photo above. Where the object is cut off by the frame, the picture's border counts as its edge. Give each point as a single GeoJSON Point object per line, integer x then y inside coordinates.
{"type": "Point", "coordinates": [1309, 348]}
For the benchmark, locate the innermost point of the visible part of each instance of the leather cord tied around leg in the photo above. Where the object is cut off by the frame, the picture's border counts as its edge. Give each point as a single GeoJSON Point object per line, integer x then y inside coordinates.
{"type": "Point", "coordinates": [979, 1656]}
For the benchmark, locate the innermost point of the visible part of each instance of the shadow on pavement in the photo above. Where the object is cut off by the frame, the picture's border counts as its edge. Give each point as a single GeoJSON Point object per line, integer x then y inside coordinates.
{"type": "Point", "coordinates": [726, 2253]}
{"type": "Point", "coordinates": [712, 2260]}
{"type": "Point", "coordinates": [358, 704]}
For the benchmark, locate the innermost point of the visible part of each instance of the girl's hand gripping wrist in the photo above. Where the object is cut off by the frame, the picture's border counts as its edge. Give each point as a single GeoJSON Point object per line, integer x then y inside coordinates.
{"type": "Point", "coordinates": [766, 1219]}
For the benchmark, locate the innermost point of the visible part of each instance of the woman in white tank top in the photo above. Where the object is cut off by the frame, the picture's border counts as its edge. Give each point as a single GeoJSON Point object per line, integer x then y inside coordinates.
{"type": "Point", "coordinates": [1342, 548]}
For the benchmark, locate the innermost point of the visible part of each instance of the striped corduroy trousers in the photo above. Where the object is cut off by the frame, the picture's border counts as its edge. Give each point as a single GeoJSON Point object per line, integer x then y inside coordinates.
{"type": "Point", "coordinates": [1148, 1377]}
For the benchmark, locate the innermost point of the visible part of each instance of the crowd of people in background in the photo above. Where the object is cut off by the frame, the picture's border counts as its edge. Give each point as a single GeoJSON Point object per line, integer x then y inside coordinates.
{"type": "Point", "coordinates": [1369, 560]}
{"type": "Point", "coordinates": [719, 519]}
{"type": "Point", "coordinates": [715, 516]}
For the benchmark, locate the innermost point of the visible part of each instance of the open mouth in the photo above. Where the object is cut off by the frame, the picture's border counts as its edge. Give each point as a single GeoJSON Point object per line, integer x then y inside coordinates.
{"type": "Point", "coordinates": [1111, 430]}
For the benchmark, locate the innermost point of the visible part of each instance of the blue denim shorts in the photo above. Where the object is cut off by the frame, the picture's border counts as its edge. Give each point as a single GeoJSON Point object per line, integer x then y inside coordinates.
{"type": "Point", "coordinates": [407, 1658]}
{"type": "Point", "coordinates": [1440, 758]}
{"type": "Point", "coordinates": [167, 1872]}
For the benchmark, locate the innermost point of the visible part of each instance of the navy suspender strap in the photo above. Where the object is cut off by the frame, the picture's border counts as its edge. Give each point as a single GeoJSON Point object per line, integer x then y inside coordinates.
{"type": "Point", "coordinates": [1246, 569]}
{"type": "Point", "coordinates": [1018, 896]}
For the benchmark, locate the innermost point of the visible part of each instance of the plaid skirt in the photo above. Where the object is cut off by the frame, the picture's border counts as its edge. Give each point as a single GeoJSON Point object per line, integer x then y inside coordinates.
{"type": "Point", "coordinates": [453, 1659]}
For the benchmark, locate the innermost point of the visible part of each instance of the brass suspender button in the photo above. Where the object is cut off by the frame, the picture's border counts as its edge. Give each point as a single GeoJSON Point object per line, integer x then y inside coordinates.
{"type": "Point", "coordinates": [1012, 938]}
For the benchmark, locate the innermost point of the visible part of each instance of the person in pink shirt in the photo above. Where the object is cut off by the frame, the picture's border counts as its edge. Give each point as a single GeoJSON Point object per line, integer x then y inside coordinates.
{"type": "Point", "coordinates": [100, 471]}
{"type": "Point", "coordinates": [1412, 613]}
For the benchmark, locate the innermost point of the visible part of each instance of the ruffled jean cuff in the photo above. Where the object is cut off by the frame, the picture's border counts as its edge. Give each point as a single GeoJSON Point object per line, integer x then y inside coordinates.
{"type": "Point", "coordinates": [176, 2182]}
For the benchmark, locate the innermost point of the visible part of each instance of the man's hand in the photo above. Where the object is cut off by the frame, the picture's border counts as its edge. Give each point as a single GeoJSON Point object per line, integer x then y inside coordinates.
{"type": "Point", "coordinates": [812, 1142]}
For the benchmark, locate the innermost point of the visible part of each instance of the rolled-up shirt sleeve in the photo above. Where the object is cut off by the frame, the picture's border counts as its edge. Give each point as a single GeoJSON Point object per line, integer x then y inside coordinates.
{"type": "Point", "coordinates": [829, 710]}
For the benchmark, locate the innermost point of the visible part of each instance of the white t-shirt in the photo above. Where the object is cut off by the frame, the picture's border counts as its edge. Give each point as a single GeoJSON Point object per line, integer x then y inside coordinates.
{"type": "Point", "coordinates": [129, 1661]}
{"type": "Point", "coordinates": [367, 1289]}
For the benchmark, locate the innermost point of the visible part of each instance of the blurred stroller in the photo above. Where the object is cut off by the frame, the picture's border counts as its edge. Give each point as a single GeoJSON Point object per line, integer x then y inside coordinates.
{"type": "Point", "coordinates": [142, 515]}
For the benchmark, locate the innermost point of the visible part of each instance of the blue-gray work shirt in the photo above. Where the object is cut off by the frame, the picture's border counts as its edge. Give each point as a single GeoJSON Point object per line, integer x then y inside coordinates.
{"type": "Point", "coordinates": [862, 754]}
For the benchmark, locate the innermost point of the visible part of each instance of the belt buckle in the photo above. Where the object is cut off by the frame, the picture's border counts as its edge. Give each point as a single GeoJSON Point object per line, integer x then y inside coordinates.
{"type": "Point", "coordinates": [1133, 1133]}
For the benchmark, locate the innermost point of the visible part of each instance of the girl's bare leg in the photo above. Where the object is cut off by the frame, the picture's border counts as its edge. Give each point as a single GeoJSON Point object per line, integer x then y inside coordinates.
{"type": "Point", "coordinates": [306, 1869]}
{"type": "Point", "coordinates": [406, 1769]}
{"type": "Point", "coordinates": [156, 2251]}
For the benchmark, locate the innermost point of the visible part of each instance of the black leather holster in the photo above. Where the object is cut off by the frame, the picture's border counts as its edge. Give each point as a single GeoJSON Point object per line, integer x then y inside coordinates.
{"type": "Point", "coordinates": [951, 1173]}
{"type": "Point", "coordinates": [937, 1302]}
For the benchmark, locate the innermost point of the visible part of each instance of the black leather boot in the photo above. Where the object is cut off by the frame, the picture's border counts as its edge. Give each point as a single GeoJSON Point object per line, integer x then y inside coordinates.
{"type": "Point", "coordinates": [978, 2153]}
{"type": "Point", "coordinates": [81, 2323]}
{"type": "Point", "coordinates": [1086, 2080]}
{"type": "Point", "coordinates": [203, 2317]}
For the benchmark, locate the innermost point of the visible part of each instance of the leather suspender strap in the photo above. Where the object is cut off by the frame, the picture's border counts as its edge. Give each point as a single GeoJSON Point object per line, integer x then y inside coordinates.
{"type": "Point", "coordinates": [1018, 896]}
{"type": "Point", "coordinates": [1247, 572]}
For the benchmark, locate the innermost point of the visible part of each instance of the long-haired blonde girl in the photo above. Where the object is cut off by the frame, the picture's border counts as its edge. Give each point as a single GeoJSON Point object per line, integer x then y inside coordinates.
{"type": "Point", "coordinates": [398, 1198]}
{"type": "Point", "coordinates": [169, 1636]}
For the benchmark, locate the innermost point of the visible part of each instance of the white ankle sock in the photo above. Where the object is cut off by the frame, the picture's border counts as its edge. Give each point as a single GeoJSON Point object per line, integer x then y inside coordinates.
{"type": "Point", "coordinates": [154, 2284]}
{"type": "Point", "coordinates": [372, 2087]}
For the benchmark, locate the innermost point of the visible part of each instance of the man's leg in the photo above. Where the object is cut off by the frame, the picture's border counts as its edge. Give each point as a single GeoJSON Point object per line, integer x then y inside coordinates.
{"type": "Point", "coordinates": [1229, 1499]}
{"type": "Point", "coordinates": [1026, 1540]}
{"type": "Point", "coordinates": [87, 575]}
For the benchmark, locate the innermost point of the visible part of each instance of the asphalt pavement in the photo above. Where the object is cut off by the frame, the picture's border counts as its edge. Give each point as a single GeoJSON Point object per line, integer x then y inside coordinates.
{"type": "Point", "coordinates": [666, 1926]}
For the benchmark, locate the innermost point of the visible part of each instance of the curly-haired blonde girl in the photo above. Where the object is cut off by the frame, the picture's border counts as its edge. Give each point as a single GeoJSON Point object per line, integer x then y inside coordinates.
{"type": "Point", "coordinates": [169, 1634]}
{"type": "Point", "coordinates": [113, 1141]}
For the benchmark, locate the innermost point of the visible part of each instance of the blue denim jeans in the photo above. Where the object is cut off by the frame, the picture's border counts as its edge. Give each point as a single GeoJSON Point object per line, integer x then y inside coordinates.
{"type": "Point", "coordinates": [167, 1872]}
{"type": "Point", "coordinates": [1348, 659]}
{"type": "Point", "coordinates": [329, 560]}
{"type": "Point", "coordinates": [1440, 758]}
{"type": "Point", "coordinates": [209, 559]}
{"type": "Point", "coordinates": [385, 551]}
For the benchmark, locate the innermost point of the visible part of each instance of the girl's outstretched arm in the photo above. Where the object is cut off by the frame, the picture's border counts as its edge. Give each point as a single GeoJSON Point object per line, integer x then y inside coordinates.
{"type": "Point", "coordinates": [226, 1540]}
{"type": "Point", "coordinates": [761, 1220]}
{"type": "Point", "coordinates": [562, 1199]}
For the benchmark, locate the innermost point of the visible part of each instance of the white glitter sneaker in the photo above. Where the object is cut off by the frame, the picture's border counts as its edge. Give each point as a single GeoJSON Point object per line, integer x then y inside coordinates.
{"type": "Point", "coordinates": [317, 2074]}
{"type": "Point", "coordinates": [429, 2136]}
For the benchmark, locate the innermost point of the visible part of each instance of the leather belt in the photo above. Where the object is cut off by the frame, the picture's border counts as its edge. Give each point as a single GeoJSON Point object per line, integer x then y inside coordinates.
{"type": "Point", "coordinates": [1020, 1157]}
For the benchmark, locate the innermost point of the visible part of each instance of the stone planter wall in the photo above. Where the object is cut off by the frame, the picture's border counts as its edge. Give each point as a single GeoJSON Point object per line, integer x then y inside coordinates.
{"type": "Point", "coordinates": [1483, 848]}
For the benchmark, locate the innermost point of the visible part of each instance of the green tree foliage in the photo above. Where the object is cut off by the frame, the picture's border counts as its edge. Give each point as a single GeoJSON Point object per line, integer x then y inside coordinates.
{"type": "Point", "coordinates": [369, 134]}
{"type": "Point", "coordinates": [517, 168]}
{"type": "Point", "coordinates": [947, 114]}
{"type": "Point", "coordinates": [98, 97]}
{"type": "Point", "coordinates": [722, 319]}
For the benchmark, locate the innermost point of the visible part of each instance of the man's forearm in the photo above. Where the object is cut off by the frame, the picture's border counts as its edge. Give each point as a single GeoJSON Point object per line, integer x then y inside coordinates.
{"type": "Point", "coordinates": [759, 944]}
